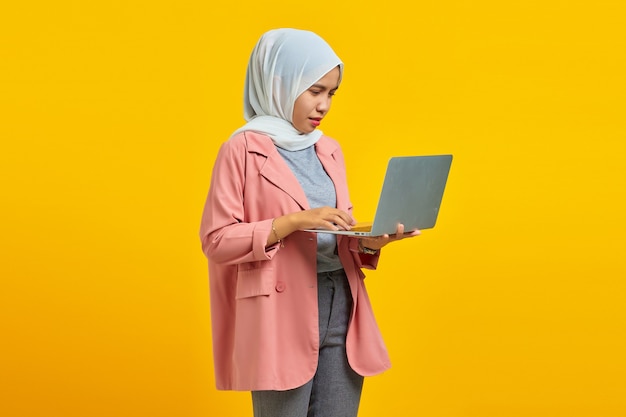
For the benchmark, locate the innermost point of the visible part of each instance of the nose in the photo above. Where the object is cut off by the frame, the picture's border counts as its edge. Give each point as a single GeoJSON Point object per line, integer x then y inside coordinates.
{"type": "Point", "coordinates": [324, 104]}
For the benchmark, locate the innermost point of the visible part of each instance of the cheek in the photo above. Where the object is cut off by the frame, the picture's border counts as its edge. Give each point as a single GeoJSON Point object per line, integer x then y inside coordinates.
{"type": "Point", "coordinates": [296, 108]}
{"type": "Point", "coordinates": [301, 109]}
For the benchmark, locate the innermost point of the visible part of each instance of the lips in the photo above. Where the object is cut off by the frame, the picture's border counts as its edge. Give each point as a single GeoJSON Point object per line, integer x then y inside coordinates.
{"type": "Point", "coordinates": [315, 121]}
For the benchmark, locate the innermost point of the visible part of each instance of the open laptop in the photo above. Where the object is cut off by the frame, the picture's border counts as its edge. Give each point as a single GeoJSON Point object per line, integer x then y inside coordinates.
{"type": "Point", "coordinates": [411, 194]}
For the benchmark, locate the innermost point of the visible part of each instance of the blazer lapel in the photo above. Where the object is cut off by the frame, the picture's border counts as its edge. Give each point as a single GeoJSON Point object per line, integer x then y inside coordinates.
{"type": "Point", "coordinates": [335, 170]}
{"type": "Point", "coordinates": [275, 169]}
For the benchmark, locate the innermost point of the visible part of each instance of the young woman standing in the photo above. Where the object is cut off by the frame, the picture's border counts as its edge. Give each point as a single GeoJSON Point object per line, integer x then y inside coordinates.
{"type": "Point", "coordinates": [291, 317]}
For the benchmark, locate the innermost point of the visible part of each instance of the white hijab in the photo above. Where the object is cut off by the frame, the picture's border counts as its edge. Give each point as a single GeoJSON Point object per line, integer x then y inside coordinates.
{"type": "Point", "coordinates": [283, 65]}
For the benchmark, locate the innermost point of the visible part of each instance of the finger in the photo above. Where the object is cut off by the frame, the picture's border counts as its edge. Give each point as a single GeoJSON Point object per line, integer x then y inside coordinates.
{"type": "Point", "coordinates": [328, 225]}
{"type": "Point", "coordinates": [348, 218]}
{"type": "Point", "coordinates": [344, 220]}
{"type": "Point", "coordinates": [334, 222]}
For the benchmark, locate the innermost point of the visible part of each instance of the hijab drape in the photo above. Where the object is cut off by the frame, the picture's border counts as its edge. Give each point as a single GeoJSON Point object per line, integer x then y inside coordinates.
{"type": "Point", "coordinates": [284, 64]}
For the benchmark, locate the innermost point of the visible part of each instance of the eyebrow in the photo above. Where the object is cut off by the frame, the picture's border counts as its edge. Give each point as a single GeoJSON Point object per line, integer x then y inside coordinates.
{"type": "Point", "coordinates": [323, 87]}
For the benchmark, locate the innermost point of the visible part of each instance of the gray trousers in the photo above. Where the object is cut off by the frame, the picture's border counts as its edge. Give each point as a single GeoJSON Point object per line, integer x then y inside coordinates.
{"type": "Point", "coordinates": [335, 390]}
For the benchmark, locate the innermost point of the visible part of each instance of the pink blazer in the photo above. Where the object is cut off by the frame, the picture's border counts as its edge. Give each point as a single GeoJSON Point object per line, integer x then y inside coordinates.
{"type": "Point", "coordinates": [264, 301]}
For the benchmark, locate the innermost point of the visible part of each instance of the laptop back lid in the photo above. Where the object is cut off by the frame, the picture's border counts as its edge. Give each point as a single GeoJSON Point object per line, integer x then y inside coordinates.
{"type": "Point", "coordinates": [412, 193]}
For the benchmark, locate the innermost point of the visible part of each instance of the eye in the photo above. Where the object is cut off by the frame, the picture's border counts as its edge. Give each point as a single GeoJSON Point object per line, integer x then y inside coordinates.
{"type": "Point", "coordinates": [315, 92]}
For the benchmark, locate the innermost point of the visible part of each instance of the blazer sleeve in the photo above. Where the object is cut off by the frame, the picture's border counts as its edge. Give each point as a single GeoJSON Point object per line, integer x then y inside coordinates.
{"type": "Point", "coordinates": [362, 260]}
{"type": "Point", "coordinates": [225, 237]}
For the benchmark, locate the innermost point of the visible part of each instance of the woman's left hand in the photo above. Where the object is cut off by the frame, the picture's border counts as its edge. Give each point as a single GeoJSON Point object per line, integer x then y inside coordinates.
{"type": "Point", "coordinates": [377, 242]}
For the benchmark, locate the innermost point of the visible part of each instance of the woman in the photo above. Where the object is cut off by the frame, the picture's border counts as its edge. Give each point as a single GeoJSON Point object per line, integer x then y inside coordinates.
{"type": "Point", "coordinates": [291, 318]}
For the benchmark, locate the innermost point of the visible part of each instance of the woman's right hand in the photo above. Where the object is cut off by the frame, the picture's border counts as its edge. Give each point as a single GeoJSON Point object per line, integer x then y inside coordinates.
{"type": "Point", "coordinates": [328, 218]}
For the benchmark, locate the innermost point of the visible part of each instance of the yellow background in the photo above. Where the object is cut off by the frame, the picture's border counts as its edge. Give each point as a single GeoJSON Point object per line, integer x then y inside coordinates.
{"type": "Point", "coordinates": [111, 113]}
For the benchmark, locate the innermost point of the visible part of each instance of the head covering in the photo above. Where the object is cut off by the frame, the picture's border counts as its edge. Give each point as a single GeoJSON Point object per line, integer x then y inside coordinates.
{"type": "Point", "coordinates": [284, 64]}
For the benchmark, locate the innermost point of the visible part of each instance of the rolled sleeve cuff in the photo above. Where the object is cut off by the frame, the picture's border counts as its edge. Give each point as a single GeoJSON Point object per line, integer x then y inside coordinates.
{"type": "Point", "coordinates": [259, 241]}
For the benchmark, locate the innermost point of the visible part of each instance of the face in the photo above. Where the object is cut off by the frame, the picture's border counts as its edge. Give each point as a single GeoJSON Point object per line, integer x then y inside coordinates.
{"type": "Point", "coordinates": [312, 105]}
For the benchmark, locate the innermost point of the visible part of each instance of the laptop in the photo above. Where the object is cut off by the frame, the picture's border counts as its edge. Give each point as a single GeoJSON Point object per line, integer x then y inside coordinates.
{"type": "Point", "coordinates": [411, 194]}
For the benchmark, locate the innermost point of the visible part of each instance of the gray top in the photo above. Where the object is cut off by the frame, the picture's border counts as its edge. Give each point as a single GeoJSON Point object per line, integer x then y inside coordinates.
{"type": "Point", "coordinates": [320, 191]}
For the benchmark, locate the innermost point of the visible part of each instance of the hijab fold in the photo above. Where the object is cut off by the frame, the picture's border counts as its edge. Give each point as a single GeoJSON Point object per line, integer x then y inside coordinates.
{"type": "Point", "coordinates": [284, 64]}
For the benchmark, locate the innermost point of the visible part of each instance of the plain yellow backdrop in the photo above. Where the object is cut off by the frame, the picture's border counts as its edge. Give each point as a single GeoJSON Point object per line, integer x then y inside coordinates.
{"type": "Point", "coordinates": [111, 113]}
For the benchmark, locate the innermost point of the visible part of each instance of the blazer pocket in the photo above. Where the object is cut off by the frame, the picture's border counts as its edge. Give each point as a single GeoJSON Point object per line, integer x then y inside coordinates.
{"type": "Point", "coordinates": [254, 282]}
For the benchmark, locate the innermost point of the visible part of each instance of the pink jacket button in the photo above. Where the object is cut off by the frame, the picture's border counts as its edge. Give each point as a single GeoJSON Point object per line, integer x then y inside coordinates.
{"type": "Point", "coordinates": [280, 286]}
